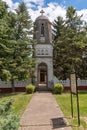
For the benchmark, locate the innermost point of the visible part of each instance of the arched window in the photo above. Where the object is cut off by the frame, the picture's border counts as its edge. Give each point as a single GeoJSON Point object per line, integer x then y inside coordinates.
{"type": "Point", "coordinates": [42, 29]}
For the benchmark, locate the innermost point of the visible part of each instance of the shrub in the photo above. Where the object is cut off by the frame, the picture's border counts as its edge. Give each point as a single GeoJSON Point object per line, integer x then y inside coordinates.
{"type": "Point", "coordinates": [5, 106]}
{"type": "Point", "coordinates": [8, 120]}
{"type": "Point", "coordinates": [30, 88]}
{"type": "Point", "coordinates": [58, 88]}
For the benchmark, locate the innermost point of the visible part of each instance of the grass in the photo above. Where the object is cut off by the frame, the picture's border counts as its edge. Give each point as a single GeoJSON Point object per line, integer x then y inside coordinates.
{"type": "Point", "coordinates": [64, 102]}
{"type": "Point", "coordinates": [20, 101]}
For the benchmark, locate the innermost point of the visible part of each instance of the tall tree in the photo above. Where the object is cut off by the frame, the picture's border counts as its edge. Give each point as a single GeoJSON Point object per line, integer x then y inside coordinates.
{"type": "Point", "coordinates": [4, 38]}
{"type": "Point", "coordinates": [58, 30]}
{"type": "Point", "coordinates": [17, 48]}
{"type": "Point", "coordinates": [21, 60]}
{"type": "Point", "coordinates": [71, 44]}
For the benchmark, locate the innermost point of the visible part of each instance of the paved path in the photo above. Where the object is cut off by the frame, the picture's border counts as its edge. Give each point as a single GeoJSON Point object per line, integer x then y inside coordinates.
{"type": "Point", "coordinates": [43, 113]}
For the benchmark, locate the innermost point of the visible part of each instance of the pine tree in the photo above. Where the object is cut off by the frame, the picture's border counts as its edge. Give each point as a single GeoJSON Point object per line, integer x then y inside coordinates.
{"type": "Point", "coordinates": [58, 46]}
{"type": "Point", "coordinates": [4, 38]}
{"type": "Point", "coordinates": [69, 46]}
{"type": "Point", "coordinates": [16, 45]}
{"type": "Point", "coordinates": [21, 60]}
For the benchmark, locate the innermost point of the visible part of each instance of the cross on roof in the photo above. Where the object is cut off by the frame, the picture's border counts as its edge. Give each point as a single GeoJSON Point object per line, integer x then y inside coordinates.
{"type": "Point", "coordinates": [42, 12]}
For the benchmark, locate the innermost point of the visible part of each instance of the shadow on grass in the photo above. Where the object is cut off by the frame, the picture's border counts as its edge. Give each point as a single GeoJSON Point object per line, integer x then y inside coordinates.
{"type": "Point", "coordinates": [82, 92]}
{"type": "Point", "coordinates": [11, 94]}
{"type": "Point", "coordinates": [75, 124]}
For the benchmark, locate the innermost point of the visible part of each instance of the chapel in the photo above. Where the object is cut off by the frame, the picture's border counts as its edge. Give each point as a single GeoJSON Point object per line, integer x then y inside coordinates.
{"type": "Point", "coordinates": [43, 52]}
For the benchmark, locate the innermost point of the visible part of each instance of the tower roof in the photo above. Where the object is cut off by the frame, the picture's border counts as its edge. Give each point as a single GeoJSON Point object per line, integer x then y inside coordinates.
{"type": "Point", "coordinates": [42, 16]}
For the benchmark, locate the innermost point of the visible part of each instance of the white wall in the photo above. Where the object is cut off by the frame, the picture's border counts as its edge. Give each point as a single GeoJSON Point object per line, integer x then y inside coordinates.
{"type": "Point", "coordinates": [66, 82]}
{"type": "Point", "coordinates": [4, 84]}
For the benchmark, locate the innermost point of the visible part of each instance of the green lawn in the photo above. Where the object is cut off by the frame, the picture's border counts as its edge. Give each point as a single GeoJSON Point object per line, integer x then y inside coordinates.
{"type": "Point", "coordinates": [64, 102]}
{"type": "Point", "coordinates": [20, 101]}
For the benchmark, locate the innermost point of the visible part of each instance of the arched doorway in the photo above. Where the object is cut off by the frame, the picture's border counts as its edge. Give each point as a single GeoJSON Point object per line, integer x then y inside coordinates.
{"type": "Point", "coordinates": [42, 74]}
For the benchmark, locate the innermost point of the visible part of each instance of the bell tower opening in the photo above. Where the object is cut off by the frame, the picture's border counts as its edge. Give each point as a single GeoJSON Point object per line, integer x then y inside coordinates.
{"type": "Point", "coordinates": [42, 29]}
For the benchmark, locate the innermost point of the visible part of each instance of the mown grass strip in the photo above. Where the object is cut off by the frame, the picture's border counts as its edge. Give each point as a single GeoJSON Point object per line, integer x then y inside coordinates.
{"type": "Point", "coordinates": [64, 102]}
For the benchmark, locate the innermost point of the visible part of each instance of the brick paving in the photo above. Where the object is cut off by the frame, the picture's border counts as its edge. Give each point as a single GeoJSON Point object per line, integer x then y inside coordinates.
{"type": "Point", "coordinates": [43, 113]}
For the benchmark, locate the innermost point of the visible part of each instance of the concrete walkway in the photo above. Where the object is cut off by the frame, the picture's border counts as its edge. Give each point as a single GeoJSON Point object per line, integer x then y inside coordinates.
{"type": "Point", "coordinates": [43, 113]}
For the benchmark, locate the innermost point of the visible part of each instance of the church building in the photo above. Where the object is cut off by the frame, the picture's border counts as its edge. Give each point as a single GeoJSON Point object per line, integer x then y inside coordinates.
{"type": "Point", "coordinates": [43, 52]}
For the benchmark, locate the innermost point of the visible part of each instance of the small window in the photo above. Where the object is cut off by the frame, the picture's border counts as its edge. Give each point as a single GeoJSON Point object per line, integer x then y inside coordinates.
{"type": "Point", "coordinates": [46, 51]}
{"type": "Point", "coordinates": [42, 29]}
{"type": "Point", "coordinates": [38, 52]}
{"type": "Point", "coordinates": [42, 52]}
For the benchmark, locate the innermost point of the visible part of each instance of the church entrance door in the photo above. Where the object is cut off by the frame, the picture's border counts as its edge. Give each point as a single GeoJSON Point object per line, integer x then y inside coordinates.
{"type": "Point", "coordinates": [42, 74]}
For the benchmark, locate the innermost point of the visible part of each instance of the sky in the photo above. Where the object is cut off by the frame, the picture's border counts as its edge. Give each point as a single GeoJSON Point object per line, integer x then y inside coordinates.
{"type": "Point", "coordinates": [52, 8]}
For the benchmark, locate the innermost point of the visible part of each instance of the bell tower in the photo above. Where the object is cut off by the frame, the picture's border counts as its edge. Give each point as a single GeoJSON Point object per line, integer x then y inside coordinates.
{"type": "Point", "coordinates": [43, 52]}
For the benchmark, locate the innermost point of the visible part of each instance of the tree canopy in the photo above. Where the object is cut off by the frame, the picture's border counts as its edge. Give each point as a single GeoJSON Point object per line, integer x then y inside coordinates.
{"type": "Point", "coordinates": [15, 43]}
{"type": "Point", "coordinates": [70, 42]}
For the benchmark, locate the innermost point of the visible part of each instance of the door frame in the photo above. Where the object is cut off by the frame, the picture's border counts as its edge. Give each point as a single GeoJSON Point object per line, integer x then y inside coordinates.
{"type": "Point", "coordinates": [42, 68]}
